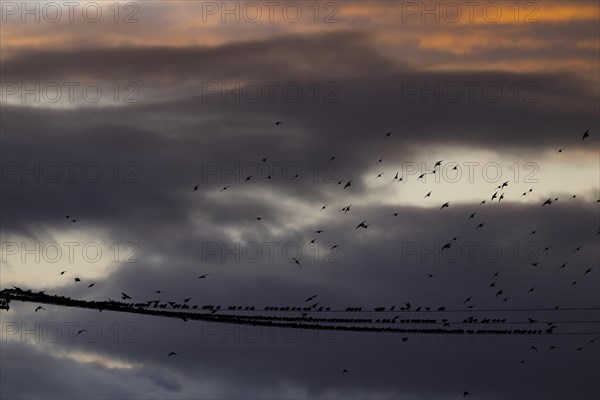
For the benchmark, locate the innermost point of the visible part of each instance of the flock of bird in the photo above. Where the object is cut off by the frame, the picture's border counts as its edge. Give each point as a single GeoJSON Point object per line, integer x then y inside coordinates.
{"type": "Point", "coordinates": [346, 185]}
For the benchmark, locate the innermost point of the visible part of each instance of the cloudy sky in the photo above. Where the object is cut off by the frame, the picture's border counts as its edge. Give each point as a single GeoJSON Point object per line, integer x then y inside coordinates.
{"type": "Point", "coordinates": [166, 128]}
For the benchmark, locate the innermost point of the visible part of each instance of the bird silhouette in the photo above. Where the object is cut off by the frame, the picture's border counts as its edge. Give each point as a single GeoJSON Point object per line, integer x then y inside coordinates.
{"type": "Point", "coordinates": [125, 296]}
{"type": "Point", "coordinates": [585, 134]}
{"type": "Point", "coordinates": [172, 354]}
{"type": "Point", "coordinates": [195, 188]}
{"type": "Point", "coordinates": [347, 185]}
{"type": "Point", "coordinates": [296, 261]}
{"type": "Point", "coordinates": [39, 308]}
{"type": "Point", "coordinates": [362, 225]}
{"type": "Point", "coordinates": [447, 204]}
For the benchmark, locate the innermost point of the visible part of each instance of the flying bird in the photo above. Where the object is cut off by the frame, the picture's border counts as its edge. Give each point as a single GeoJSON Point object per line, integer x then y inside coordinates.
{"type": "Point", "coordinates": [585, 134]}
{"type": "Point", "coordinates": [447, 204]}
{"type": "Point", "coordinates": [125, 296]}
{"type": "Point", "coordinates": [40, 308]}
{"type": "Point", "coordinates": [296, 261]}
{"type": "Point", "coordinates": [362, 225]}
{"type": "Point", "coordinates": [172, 354]}
{"type": "Point", "coordinates": [347, 185]}
{"type": "Point", "coordinates": [203, 276]}
{"type": "Point", "coordinates": [195, 188]}
{"type": "Point", "coordinates": [278, 123]}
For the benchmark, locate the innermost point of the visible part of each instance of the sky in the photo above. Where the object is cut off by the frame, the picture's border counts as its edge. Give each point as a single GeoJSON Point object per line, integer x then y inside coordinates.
{"type": "Point", "coordinates": [140, 142]}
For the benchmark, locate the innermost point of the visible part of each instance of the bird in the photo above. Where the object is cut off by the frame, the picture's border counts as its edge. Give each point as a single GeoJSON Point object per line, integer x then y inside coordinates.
{"type": "Point", "coordinates": [258, 218]}
{"type": "Point", "coordinates": [203, 276]}
{"type": "Point", "coordinates": [429, 275]}
{"type": "Point", "coordinates": [322, 208]}
{"type": "Point", "coordinates": [296, 261]}
{"type": "Point", "coordinates": [362, 225]}
{"type": "Point", "coordinates": [467, 300]}
{"type": "Point", "coordinates": [80, 332]}
{"type": "Point", "coordinates": [278, 123]}
{"type": "Point", "coordinates": [90, 285]}
{"type": "Point", "coordinates": [532, 321]}
{"type": "Point", "coordinates": [249, 177]}
{"type": "Point", "coordinates": [585, 134]}
{"type": "Point", "coordinates": [549, 201]}
{"type": "Point", "coordinates": [62, 272]}
{"type": "Point", "coordinates": [472, 215]}
{"type": "Point", "coordinates": [195, 188]}
{"type": "Point", "coordinates": [438, 164]}
{"type": "Point", "coordinates": [388, 134]}
{"type": "Point", "coordinates": [187, 300]}
{"type": "Point", "coordinates": [345, 372]}
{"type": "Point", "coordinates": [480, 225]}
{"type": "Point", "coordinates": [562, 266]}
{"type": "Point", "coordinates": [587, 271]}
{"type": "Point", "coordinates": [465, 393]}
{"type": "Point", "coordinates": [40, 308]}
{"type": "Point", "coordinates": [346, 209]}
{"type": "Point", "coordinates": [77, 280]}
{"type": "Point", "coordinates": [125, 296]}
{"type": "Point", "coordinates": [494, 196]}
{"type": "Point", "coordinates": [531, 290]}
{"type": "Point", "coordinates": [447, 246]}
{"type": "Point", "coordinates": [533, 348]}
{"type": "Point", "coordinates": [447, 204]}
{"type": "Point", "coordinates": [379, 175]}
{"type": "Point", "coordinates": [319, 231]}
{"type": "Point", "coordinates": [310, 298]}
{"type": "Point", "coordinates": [347, 185]}
{"type": "Point", "coordinates": [224, 188]}
{"type": "Point", "coordinates": [427, 195]}
{"type": "Point", "coordinates": [172, 354]}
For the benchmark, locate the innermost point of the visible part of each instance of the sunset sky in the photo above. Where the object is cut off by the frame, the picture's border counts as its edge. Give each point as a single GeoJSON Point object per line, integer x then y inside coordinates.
{"type": "Point", "coordinates": [113, 111]}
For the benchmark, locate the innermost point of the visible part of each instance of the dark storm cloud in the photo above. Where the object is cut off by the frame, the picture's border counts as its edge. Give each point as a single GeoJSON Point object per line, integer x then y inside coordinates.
{"type": "Point", "coordinates": [172, 140]}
